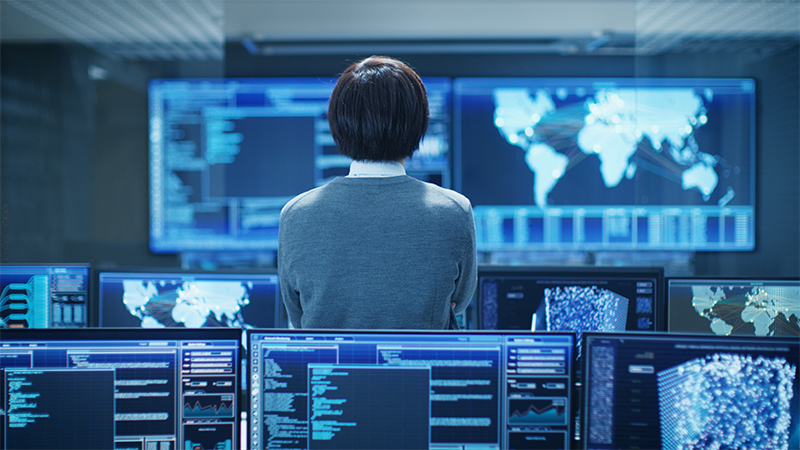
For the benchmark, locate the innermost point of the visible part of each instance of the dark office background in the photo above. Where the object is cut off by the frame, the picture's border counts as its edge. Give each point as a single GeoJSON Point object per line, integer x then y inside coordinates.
{"type": "Point", "coordinates": [74, 179]}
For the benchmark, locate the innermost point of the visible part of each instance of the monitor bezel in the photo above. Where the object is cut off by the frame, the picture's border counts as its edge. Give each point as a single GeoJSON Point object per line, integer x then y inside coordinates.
{"type": "Point", "coordinates": [281, 319]}
{"type": "Point", "coordinates": [510, 81]}
{"type": "Point", "coordinates": [141, 336]}
{"type": "Point", "coordinates": [706, 279]}
{"type": "Point", "coordinates": [534, 270]}
{"type": "Point", "coordinates": [589, 336]}
{"type": "Point", "coordinates": [574, 373]}
{"type": "Point", "coordinates": [89, 304]}
{"type": "Point", "coordinates": [157, 171]}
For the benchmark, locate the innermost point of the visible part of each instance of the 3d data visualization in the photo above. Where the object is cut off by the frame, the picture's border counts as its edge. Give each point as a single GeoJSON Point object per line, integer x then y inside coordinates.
{"type": "Point", "coordinates": [680, 391]}
{"type": "Point", "coordinates": [726, 401]}
{"type": "Point", "coordinates": [577, 308]}
{"type": "Point", "coordinates": [581, 298]}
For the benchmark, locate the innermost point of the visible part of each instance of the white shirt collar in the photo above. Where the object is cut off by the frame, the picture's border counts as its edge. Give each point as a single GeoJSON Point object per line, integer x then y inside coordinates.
{"type": "Point", "coordinates": [376, 169]}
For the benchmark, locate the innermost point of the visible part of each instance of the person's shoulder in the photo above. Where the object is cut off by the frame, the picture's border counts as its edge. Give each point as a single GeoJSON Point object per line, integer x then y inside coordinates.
{"type": "Point", "coordinates": [436, 193]}
{"type": "Point", "coordinates": [305, 199]}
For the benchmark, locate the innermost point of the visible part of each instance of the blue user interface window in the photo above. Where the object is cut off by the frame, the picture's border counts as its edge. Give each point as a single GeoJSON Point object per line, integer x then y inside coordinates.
{"type": "Point", "coordinates": [607, 163]}
{"type": "Point", "coordinates": [676, 391]}
{"type": "Point", "coordinates": [227, 154]}
{"type": "Point", "coordinates": [44, 296]}
{"type": "Point", "coordinates": [408, 390]}
{"type": "Point", "coordinates": [121, 389]}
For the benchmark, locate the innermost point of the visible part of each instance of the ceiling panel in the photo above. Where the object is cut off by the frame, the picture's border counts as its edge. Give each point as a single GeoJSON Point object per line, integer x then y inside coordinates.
{"type": "Point", "coordinates": [198, 29]}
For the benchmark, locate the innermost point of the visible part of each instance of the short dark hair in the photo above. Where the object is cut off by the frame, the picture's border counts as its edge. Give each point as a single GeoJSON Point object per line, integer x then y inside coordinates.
{"type": "Point", "coordinates": [378, 110]}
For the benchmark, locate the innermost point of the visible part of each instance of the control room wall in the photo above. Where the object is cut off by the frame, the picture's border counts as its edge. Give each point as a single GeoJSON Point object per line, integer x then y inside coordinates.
{"type": "Point", "coordinates": [73, 173]}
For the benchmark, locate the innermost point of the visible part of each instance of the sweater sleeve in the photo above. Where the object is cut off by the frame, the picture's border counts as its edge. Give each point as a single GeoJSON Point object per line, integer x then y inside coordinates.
{"type": "Point", "coordinates": [291, 300]}
{"type": "Point", "coordinates": [290, 297]}
{"type": "Point", "coordinates": [468, 278]}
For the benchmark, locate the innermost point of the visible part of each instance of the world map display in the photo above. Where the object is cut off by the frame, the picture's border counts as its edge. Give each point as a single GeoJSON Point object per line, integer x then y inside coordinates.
{"type": "Point", "coordinates": [614, 124]}
{"type": "Point", "coordinates": [607, 163]}
{"type": "Point", "coordinates": [766, 310]}
{"type": "Point", "coordinates": [192, 304]}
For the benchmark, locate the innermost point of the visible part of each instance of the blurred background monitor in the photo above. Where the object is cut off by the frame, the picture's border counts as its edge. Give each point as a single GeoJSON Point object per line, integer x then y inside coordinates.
{"type": "Point", "coordinates": [44, 295]}
{"type": "Point", "coordinates": [190, 299]}
{"type": "Point", "coordinates": [734, 306]}
{"type": "Point", "coordinates": [121, 388]}
{"type": "Point", "coordinates": [671, 391]}
{"type": "Point", "coordinates": [607, 163]}
{"type": "Point", "coordinates": [410, 389]}
{"type": "Point", "coordinates": [583, 298]}
{"type": "Point", "coordinates": [227, 154]}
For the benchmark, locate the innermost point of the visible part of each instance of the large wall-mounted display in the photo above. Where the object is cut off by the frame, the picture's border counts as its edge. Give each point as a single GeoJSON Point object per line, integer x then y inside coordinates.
{"type": "Point", "coordinates": [227, 154]}
{"type": "Point", "coordinates": [607, 164]}
{"type": "Point", "coordinates": [548, 163]}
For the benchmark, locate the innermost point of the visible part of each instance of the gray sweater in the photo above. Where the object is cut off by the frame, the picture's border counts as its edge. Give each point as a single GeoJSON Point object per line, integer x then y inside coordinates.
{"type": "Point", "coordinates": [376, 253]}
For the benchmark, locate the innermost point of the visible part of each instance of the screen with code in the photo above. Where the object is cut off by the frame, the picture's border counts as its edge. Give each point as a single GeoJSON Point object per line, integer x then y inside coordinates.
{"type": "Point", "coordinates": [677, 391]}
{"type": "Point", "coordinates": [227, 154]}
{"type": "Point", "coordinates": [409, 390]}
{"type": "Point", "coordinates": [607, 163]}
{"type": "Point", "coordinates": [120, 389]}
{"type": "Point", "coordinates": [44, 295]}
{"type": "Point", "coordinates": [189, 299]}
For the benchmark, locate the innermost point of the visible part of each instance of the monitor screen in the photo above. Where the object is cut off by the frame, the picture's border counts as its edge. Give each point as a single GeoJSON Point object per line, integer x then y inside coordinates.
{"type": "Point", "coordinates": [607, 164]}
{"type": "Point", "coordinates": [570, 298]}
{"type": "Point", "coordinates": [189, 299]}
{"type": "Point", "coordinates": [409, 390]}
{"type": "Point", "coordinates": [123, 389]}
{"type": "Point", "coordinates": [690, 391]}
{"type": "Point", "coordinates": [227, 154]}
{"type": "Point", "coordinates": [44, 295]}
{"type": "Point", "coordinates": [730, 306]}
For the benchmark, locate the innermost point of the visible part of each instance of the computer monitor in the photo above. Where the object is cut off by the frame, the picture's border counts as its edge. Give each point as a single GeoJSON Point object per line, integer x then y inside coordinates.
{"type": "Point", "coordinates": [585, 298]}
{"type": "Point", "coordinates": [189, 299]}
{"type": "Point", "coordinates": [133, 389]}
{"type": "Point", "coordinates": [734, 306]}
{"type": "Point", "coordinates": [409, 390]}
{"type": "Point", "coordinates": [44, 295]}
{"type": "Point", "coordinates": [607, 163]}
{"type": "Point", "coordinates": [674, 391]}
{"type": "Point", "coordinates": [227, 154]}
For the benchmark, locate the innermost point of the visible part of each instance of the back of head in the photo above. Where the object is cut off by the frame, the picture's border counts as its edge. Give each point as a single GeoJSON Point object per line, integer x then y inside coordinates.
{"type": "Point", "coordinates": [378, 110]}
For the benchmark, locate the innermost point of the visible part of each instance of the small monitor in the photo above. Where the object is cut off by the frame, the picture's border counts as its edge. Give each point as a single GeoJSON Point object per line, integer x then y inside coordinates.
{"type": "Point", "coordinates": [188, 299]}
{"type": "Point", "coordinates": [226, 154]}
{"type": "Point", "coordinates": [677, 391]}
{"type": "Point", "coordinates": [133, 389]}
{"type": "Point", "coordinates": [731, 306]}
{"type": "Point", "coordinates": [44, 295]}
{"type": "Point", "coordinates": [576, 299]}
{"type": "Point", "coordinates": [409, 390]}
